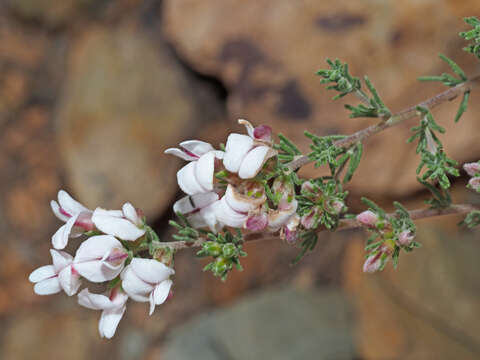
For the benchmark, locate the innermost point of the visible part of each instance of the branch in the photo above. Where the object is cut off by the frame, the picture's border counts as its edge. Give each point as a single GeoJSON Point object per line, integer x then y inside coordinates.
{"type": "Point", "coordinates": [345, 224]}
{"type": "Point", "coordinates": [448, 95]}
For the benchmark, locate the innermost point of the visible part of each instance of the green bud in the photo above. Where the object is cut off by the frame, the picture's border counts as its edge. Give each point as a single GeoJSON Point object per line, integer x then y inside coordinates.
{"type": "Point", "coordinates": [229, 250]}
{"type": "Point", "coordinates": [221, 266]}
{"type": "Point", "coordinates": [212, 248]}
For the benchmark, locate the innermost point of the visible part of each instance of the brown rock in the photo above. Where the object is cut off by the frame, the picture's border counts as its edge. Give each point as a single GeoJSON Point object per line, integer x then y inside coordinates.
{"type": "Point", "coordinates": [427, 308]}
{"type": "Point", "coordinates": [125, 101]}
{"type": "Point", "coordinates": [266, 53]}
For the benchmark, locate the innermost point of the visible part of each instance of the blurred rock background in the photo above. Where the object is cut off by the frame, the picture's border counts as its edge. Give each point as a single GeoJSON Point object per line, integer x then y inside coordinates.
{"type": "Point", "coordinates": [92, 92]}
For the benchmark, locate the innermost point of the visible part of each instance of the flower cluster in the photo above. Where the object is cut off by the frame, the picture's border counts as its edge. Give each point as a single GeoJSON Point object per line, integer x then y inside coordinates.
{"type": "Point", "coordinates": [225, 188]}
{"type": "Point", "coordinates": [110, 253]}
{"type": "Point", "coordinates": [390, 235]}
{"type": "Point", "coordinates": [473, 170]}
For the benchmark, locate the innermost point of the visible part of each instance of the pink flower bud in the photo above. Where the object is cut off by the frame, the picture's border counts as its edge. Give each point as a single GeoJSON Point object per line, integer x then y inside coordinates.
{"type": "Point", "coordinates": [263, 132]}
{"type": "Point", "coordinates": [406, 237]}
{"type": "Point", "coordinates": [307, 186]}
{"type": "Point", "coordinates": [308, 220]}
{"type": "Point", "coordinates": [373, 263]}
{"type": "Point", "coordinates": [257, 222]}
{"type": "Point", "coordinates": [338, 206]}
{"type": "Point", "coordinates": [290, 235]}
{"type": "Point", "coordinates": [472, 168]}
{"type": "Point", "coordinates": [367, 218]}
{"type": "Point", "coordinates": [474, 183]}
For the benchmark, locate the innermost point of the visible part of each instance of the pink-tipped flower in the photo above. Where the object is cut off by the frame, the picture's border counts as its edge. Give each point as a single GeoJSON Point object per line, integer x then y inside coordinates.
{"type": "Point", "coordinates": [77, 218]}
{"type": "Point", "coordinates": [308, 220]}
{"type": "Point", "coordinates": [367, 218]}
{"type": "Point", "coordinates": [259, 133]}
{"type": "Point", "coordinates": [257, 222]}
{"type": "Point", "coordinates": [246, 154]}
{"type": "Point", "coordinates": [289, 231]}
{"type": "Point", "coordinates": [373, 263]}
{"type": "Point", "coordinates": [474, 183]}
{"type": "Point", "coordinates": [100, 258]}
{"type": "Point", "coordinates": [472, 169]}
{"type": "Point", "coordinates": [112, 304]}
{"type": "Point", "coordinates": [190, 150]}
{"type": "Point", "coordinates": [147, 280]}
{"type": "Point", "coordinates": [406, 237]}
{"type": "Point", "coordinates": [51, 279]}
{"type": "Point", "coordinates": [125, 224]}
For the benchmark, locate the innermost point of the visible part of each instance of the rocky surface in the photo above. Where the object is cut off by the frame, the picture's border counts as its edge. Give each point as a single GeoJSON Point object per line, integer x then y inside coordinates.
{"type": "Point", "coordinates": [266, 53]}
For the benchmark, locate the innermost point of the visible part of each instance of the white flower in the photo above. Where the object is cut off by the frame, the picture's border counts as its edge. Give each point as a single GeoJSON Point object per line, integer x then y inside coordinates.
{"type": "Point", "coordinates": [51, 279]}
{"type": "Point", "coordinates": [147, 280]}
{"type": "Point", "coordinates": [199, 210]}
{"type": "Point", "coordinates": [233, 208]}
{"type": "Point", "coordinates": [100, 258]}
{"type": "Point", "coordinates": [197, 176]}
{"type": "Point", "coordinates": [246, 154]}
{"type": "Point", "coordinates": [77, 218]}
{"type": "Point", "coordinates": [113, 306]}
{"type": "Point", "coordinates": [125, 224]}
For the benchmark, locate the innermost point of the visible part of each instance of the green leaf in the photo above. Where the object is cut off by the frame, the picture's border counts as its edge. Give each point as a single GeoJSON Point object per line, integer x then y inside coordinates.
{"type": "Point", "coordinates": [463, 105]}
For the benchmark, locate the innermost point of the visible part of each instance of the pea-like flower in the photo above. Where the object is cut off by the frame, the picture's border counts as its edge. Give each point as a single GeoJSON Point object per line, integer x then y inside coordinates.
{"type": "Point", "coordinates": [367, 218]}
{"type": "Point", "coordinates": [198, 175]}
{"type": "Point", "coordinates": [246, 154]}
{"type": "Point", "coordinates": [199, 210]}
{"type": "Point", "coordinates": [113, 305]}
{"type": "Point", "coordinates": [51, 279]}
{"type": "Point", "coordinates": [77, 218]}
{"type": "Point", "coordinates": [147, 280]}
{"type": "Point", "coordinates": [125, 224]}
{"type": "Point", "coordinates": [100, 258]}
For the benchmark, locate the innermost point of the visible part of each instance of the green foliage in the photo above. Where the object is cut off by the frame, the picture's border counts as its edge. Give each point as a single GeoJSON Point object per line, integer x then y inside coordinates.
{"type": "Point", "coordinates": [286, 149]}
{"type": "Point", "coordinates": [472, 219]}
{"type": "Point", "coordinates": [472, 34]}
{"type": "Point", "coordinates": [324, 152]}
{"type": "Point", "coordinates": [448, 79]}
{"type": "Point", "coordinates": [440, 197]}
{"type": "Point", "coordinates": [325, 200]}
{"type": "Point", "coordinates": [463, 105]}
{"type": "Point", "coordinates": [432, 156]}
{"type": "Point", "coordinates": [345, 83]}
{"type": "Point", "coordinates": [184, 230]}
{"type": "Point", "coordinates": [226, 250]}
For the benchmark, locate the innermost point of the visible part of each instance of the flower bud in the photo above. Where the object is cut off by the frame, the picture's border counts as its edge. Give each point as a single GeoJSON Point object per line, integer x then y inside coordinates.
{"type": "Point", "coordinates": [373, 263]}
{"type": "Point", "coordinates": [337, 206]}
{"type": "Point", "coordinates": [367, 218]}
{"type": "Point", "coordinates": [474, 183]}
{"type": "Point", "coordinates": [406, 237]}
{"type": "Point", "coordinates": [229, 250]}
{"type": "Point", "coordinates": [472, 168]}
{"type": "Point", "coordinates": [257, 222]}
{"type": "Point", "coordinates": [212, 248]}
{"type": "Point", "coordinates": [221, 266]}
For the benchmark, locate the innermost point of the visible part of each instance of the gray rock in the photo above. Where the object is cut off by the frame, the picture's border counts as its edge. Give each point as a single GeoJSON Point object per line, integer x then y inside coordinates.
{"type": "Point", "coordinates": [278, 324]}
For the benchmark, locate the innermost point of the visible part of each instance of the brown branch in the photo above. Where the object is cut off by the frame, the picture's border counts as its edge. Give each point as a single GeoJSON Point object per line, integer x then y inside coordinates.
{"type": "Point", "coordinates": [448, 95]}
{"type": "Point", "coordinates": [345, 224]}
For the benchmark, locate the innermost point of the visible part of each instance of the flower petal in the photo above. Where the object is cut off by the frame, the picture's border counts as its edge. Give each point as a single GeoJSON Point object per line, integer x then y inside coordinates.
{"type": "Point", "coordinates": [135, 287]}
{"type": "Point", "coordinates": [150, 270]}
{"type": "Point", "coordinates": [187, 180]}
{"type": "Point", "coordinates": [253, 161]}
{"type": "Point", "coordinates": [47, 287]}
{"type": "Point", "coordinates": [95, 248]}
{"type": "Point", "coordinates": [42, 273]}
{"type": "Point", "coordinates": [67, 203]}
{"type": "Point", "coordinates": [248, 125]}
{"type": "Point", "coordinates": [56, 210]}
{"type": "Point", "coordinates": [241, 203]}
{"type": "Point", "coordinates": [96, 271]}
{"type": "Point", "coordinates": [69, 281]}
{"type": "Point", "coordinates": [60, 259]}
{"type": "Point", "coordinates": [187, 204]}
{"type": "Point", "coordinates": [197, 147]}
{"type": "Point", "coordinates": [160, 294]}
{"type": "Point", "coordinates": [227, 215]}
{"type": "Point", "coordinates": [180, 153]}
{"type": "Point", "coordinates": [205, 218]}
{"type": "Point", "coordinates": [237, 147]}
{"type": "Point", "coordinates": [119, 227]}
{"type": "Point", "coordinates": [61, 236]}
{"type": "Point", "coordinates": [204, 169]}
{"type": "Point", "coordinates": [109, 321]}
{"type": "Point", "coordinates": [280, 217]}
{"type": "Point", "coordinates": [94, 301]}
{"type": "Point", "coordinates": [131, 214]}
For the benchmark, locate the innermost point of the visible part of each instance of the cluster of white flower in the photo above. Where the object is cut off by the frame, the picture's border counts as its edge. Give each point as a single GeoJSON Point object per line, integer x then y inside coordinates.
{"type": "Point", "coordinates": [101, 258]}
{"type": "Point", "coordinates": [239, 201]}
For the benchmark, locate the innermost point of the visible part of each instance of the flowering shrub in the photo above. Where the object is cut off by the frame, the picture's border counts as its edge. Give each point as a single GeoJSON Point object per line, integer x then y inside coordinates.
{"type": "Point", "coordinates": [248, 189]}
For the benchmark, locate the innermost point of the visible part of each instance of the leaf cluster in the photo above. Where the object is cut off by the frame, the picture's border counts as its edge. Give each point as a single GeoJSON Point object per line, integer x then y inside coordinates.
{"type": "Point", "coordinates": [226, 250]}
{"type": "Point", "coordinates": [345, 83]}
{"type": "Point", "coordinates": [472, 219]}
{"type": "Point", "coordinates": [185, 232]}
{"type": "Point", "coordinates": [472, 34]}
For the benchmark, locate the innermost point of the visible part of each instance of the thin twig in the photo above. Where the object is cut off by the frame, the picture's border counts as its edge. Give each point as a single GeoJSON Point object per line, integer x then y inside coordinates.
{"type": "Point", "coordinates": [345, 224]}
{"type": "Point", "coordinates": [448, 95]}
